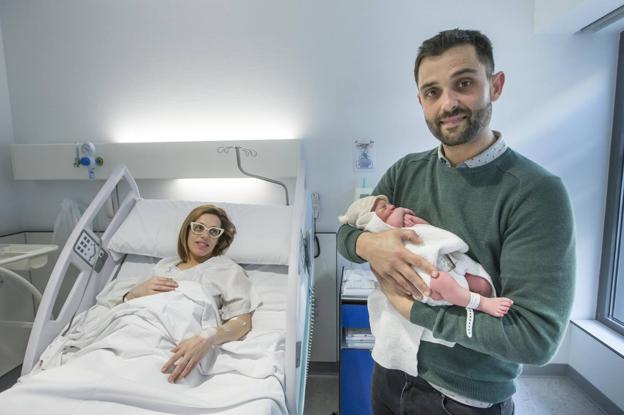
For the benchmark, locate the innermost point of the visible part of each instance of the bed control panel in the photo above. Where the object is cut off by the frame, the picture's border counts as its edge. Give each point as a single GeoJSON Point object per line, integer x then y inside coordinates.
{"type": "Point", "coordinates": [88, 248]}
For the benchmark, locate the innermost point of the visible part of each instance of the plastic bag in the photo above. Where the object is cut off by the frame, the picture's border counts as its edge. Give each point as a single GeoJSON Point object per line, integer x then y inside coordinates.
{"type": "Point", "coordinates": [66, 221]}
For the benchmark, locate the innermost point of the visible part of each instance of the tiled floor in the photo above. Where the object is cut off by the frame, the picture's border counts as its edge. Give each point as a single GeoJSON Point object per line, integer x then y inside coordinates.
{"type": "Point", "coordinates": [536, 395]}
{"type": "Point", "coordinates": [544, 395]}
{"type": "Point", "coordinates": [321, 395]}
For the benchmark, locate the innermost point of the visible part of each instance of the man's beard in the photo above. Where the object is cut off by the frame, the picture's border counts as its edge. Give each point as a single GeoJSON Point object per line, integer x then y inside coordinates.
{"type": "Point", "coordinates": [462, 134]}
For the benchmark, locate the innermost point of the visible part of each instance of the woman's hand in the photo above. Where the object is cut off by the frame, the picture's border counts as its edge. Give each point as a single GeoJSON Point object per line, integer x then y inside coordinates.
{"type": "Point", "coordinates": [154, 285]}
{"type": "Point", "coordinates": [186, 355]}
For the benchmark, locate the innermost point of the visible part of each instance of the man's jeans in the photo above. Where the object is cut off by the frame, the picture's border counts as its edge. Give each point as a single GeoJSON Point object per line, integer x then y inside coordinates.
{"type": "Point", "coordinates": [396, 393]}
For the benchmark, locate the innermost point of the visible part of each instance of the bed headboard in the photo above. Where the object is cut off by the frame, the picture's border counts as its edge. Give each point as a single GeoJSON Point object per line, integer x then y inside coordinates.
{"type": "Point", "coordinates": [170, 160]}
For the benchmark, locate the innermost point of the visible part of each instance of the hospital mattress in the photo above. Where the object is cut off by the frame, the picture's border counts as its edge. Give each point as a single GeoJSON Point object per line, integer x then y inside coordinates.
{"type": "Point", "coordinates": [81, 388]}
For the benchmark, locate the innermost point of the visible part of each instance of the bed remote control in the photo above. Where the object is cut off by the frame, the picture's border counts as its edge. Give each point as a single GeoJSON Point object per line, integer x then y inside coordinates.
{"type": "Point", "coordinates": [87, 248]}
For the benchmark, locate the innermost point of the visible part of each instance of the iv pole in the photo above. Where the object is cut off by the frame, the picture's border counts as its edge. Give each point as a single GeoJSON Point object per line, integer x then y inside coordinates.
{"type": "Point", "coordinates": [252, 153]}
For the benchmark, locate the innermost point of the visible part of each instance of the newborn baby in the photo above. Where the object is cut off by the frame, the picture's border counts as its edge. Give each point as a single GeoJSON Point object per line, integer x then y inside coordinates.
{"type": "Point", "coordinates": [454, 285]}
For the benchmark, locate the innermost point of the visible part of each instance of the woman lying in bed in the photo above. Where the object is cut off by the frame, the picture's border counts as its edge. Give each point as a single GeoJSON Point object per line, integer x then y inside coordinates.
{"type": "Point", "coordinates": [168, 319]}
{"type": "Point", "coordinates": [175, 319]}
{"type": "Point", "coordinates": [204, 236]}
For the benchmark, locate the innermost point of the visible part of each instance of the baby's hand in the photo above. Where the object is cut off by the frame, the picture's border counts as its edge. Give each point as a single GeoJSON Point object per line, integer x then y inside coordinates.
{"type": "Point", "coordinates": [410, 219]}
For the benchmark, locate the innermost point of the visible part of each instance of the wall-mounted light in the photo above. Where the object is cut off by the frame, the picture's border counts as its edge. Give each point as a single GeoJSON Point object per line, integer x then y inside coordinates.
{"type": "Point", "coordinates": [243, 190]}
{"type": "Point", "coordinates": [168, 128]}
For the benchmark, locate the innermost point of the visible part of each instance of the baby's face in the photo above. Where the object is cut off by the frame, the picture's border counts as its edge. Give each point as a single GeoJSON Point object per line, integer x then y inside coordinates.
{"type": "Point", "coordinates": [383, 209]}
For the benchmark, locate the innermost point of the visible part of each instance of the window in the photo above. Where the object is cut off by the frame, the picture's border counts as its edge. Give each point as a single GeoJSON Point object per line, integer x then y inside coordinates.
{"type": "Point", "coordinates": [611, 292]}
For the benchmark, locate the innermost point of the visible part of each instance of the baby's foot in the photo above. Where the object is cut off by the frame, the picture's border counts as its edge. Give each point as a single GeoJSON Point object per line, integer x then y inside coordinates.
{"type": "Point", "coordinates": [497, 306]}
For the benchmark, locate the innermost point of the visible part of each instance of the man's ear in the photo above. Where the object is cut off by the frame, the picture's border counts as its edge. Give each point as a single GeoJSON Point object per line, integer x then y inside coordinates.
{"type": "Point", "coordinates": [496, 85]}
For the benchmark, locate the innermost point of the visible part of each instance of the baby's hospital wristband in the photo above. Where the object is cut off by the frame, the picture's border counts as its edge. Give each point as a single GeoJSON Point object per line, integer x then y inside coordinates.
{"type": "Point", "coordinates": [469, 321]}
{"type": "Point", "coordinates": [475, 300]}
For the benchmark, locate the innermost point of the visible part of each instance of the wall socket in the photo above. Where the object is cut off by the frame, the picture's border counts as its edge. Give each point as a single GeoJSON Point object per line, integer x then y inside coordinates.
{"type": "Point", "coordinates": [316, 205]}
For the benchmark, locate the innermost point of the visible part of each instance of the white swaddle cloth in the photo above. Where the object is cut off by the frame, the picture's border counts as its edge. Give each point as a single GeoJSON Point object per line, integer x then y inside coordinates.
{"type": "Point", "coordinates": [396, 339]}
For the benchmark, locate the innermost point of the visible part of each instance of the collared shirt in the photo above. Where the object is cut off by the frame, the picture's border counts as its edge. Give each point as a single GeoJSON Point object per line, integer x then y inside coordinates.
{"type": "Point", "coordinates": [490, 154]}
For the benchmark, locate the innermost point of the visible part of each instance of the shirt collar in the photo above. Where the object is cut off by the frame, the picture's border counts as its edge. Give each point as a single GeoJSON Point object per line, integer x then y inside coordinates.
{"type": "Point", "coordinates": [490, 154]}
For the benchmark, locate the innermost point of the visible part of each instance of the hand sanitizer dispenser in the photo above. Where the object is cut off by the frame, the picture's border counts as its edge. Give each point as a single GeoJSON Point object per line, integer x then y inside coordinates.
{"type": "Point", "coordinates": [363, 190]}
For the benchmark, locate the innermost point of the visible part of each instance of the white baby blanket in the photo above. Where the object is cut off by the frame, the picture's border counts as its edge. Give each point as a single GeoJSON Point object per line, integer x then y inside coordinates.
{"type": "Point", "coordinates": [397, 340]}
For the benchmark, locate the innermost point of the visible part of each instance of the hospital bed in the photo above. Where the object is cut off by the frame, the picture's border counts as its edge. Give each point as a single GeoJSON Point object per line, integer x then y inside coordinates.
{"type": "Point", "coordinates": [273, 244]}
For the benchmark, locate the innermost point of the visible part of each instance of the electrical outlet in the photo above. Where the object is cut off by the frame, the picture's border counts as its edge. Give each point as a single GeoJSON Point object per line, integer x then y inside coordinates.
{"type": "Point", "coordinates": [316, 205]}
{"type": "Point", "coordinates": [87, 248]}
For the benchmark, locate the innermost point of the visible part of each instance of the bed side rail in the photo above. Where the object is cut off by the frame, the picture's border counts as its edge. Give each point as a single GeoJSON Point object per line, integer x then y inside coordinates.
{"type": "Point", "coordinates": [299, 307]}
{"type": "Point", "coordinates": [45, 327]}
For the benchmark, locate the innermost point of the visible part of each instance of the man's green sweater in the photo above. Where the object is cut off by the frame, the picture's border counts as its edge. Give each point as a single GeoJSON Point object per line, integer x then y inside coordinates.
{"type": "Point", "coordinates": [517, 220]}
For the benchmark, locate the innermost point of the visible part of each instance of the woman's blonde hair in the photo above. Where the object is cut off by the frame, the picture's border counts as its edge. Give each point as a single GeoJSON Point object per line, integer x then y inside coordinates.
{"type": "Point", "coordinates": [225, 240]}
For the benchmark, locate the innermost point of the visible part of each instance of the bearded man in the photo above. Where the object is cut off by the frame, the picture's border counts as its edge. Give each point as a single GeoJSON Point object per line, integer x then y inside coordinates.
{"type": "Point", "coordinates": [513, 214]}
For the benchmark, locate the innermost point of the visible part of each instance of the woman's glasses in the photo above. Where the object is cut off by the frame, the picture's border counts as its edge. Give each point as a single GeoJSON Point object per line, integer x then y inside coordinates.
{"type": "Point", "coordinates": [199, 228]}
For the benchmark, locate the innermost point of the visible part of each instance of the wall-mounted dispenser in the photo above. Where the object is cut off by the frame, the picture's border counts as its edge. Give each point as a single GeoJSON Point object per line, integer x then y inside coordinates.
{"type": "Point", "coordinates": [362, 190]}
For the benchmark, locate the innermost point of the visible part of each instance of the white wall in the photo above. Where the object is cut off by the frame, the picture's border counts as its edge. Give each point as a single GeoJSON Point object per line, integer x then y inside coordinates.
{"type": "Point", "coordinates": [9, 195]}
{"type": "Point", "coordinates": [328, 72]}
{"type": "Point", "coordinates": [570, 16]}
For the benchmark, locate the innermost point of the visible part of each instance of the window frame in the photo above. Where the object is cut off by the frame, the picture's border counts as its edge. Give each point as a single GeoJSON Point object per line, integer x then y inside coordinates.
{"type": "Point", "coordinates": [612, 267]}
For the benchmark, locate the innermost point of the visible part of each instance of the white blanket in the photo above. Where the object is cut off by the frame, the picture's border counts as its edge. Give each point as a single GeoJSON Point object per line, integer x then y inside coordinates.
{"type": "Point", "coordinates": [110, 363]}
{"type": "Point", "coordinates": [396, 339]}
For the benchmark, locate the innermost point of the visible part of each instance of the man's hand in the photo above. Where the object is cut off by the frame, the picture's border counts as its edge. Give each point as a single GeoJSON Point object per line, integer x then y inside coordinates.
{"type": "Point", "coordinates": [186, 355]}
{"type": "Point", "coordinates": [154, 285]}
{"type": "Point", "coordinates": [392, 262]}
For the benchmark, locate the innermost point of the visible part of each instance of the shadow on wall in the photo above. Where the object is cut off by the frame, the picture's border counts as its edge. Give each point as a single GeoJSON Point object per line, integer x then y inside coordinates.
{"type": "Point", "coordinates": [563, 136]}
{"type": "Point", "coordinates": [559, 137]}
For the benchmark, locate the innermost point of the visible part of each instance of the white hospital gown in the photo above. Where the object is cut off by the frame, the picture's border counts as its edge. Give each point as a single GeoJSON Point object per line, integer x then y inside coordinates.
{"type": "Point", "coordinates": [207, 294]}
{"type": "Point", "coordinates": [223, 278]}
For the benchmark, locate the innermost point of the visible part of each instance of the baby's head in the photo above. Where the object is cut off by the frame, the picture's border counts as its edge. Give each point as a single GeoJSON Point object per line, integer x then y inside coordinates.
{"type": "Point", "coordinates": [361, 211]}
{"type": "Point", "coordinates": [398, 217]}
{"type": "Point", "coordinates": [383, 208]}
{"type": "Point", "coordinates": [389, 213]}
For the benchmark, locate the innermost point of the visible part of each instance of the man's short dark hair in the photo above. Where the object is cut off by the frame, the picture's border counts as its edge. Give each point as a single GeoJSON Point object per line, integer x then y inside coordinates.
{"type": "Point", "coordinates": [447, 39]}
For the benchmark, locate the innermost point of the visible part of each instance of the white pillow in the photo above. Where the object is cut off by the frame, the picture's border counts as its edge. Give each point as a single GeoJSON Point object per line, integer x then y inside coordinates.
{"type": "Point", "coordinates": [271, 288]}
{"type": "Point", "coordinates": [152, 227]}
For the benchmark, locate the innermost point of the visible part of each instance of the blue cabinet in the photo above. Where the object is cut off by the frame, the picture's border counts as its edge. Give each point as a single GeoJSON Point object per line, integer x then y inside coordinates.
{"type": "Point", "coordinates": [356, 366]}
{"type": "Point", "coordinates": [356, 363]}
{"type": "Point", "coordinates": [354, 316]}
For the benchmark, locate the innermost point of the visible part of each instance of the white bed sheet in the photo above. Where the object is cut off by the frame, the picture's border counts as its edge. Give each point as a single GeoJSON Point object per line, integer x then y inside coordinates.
{"type": "Point", "coordinates": [229, 393]}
